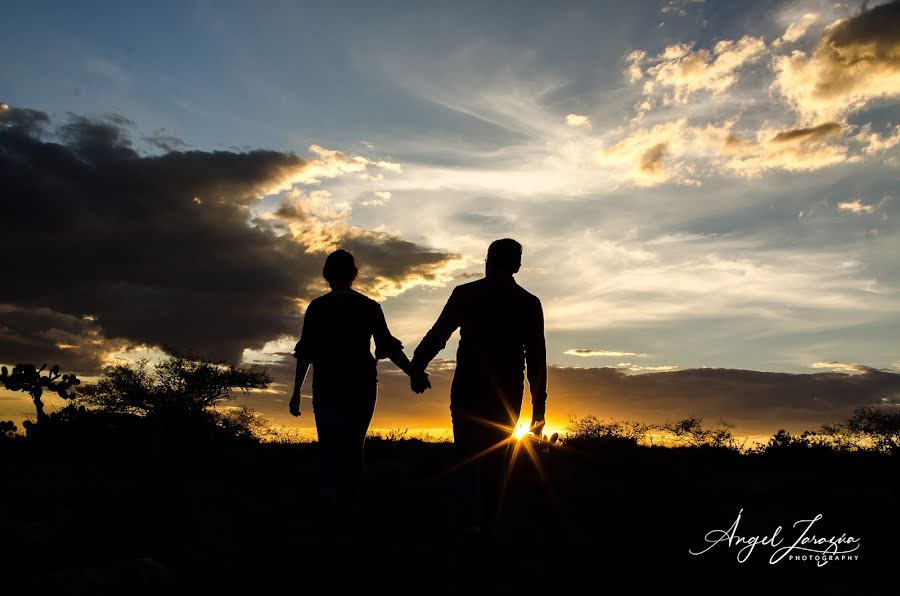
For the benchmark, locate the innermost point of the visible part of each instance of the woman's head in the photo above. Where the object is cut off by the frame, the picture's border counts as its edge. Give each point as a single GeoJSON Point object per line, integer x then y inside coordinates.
{"type": "Point", "coordinates": [340, 269]}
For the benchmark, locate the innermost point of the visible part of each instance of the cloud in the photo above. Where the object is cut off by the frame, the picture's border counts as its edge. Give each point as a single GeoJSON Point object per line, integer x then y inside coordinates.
{"type": "Point", "coordinates": [793, 150]}
{"type": "Point", "coordinates": [381, 198]}
{"type": "Point", "coordinates": [797, 29]}
{"type": "Point", "coordinates": [814, 133]}
{"type": "Point", "coordinates": [755, 400]}
{"type": "Point", "coordinates": [595, 352]}
{"type": "Point", "coordinates": [635, 368]}
{"type": "Point", "coordinates": [678, 152]}
{"type": "Point", "coordinates": [634, 71]}
{"type": "Point", "coordinates": [685, 71]}
{"type": "Point", "coordinates": [578, 120]}
{"type": "Point", "coordinates": [855, 62]}
{"type": "Point", "coordinates": [650, 156]}
{"type": "Point", "coordinates": [842, 367]}
{"type": "Point", "coordinates": [160, 139]}
{"type": "Point", "coordinates": [38, 334]}
{"type": "Point", "coordinates": [856, 206]}
{"type": "Point", "coordinates": [876, 143]}
{"type": "Point", "coordinates": [758, 402]}
{"type": "Point", "coordinates": [162, 250]}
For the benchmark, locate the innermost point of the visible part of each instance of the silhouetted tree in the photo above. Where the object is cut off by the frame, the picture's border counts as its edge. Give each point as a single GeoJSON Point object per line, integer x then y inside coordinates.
{"type": "Point", "coordinates": [875, 428]}
{"type": "Point", "coordinates": [178, 397]}
{"type": "Point", "coordinates": [28, 378]}
{"type": "Point", "coordinates": [175, 384]}
{"type": "Point", "coordinates": [692, 432]}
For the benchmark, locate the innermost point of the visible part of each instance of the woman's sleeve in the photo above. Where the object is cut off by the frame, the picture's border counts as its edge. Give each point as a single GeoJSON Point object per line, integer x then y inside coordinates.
{"type": "Point", "coordinates": [385, 343]}
{"type": "Point", "coordinates": [306, 347]}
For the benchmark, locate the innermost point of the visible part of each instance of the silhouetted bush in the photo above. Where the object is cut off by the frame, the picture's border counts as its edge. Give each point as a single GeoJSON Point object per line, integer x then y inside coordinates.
{"type": "Point", "coordinates": [691, 432]}
{"type": "Point", "coordinates": [783, 442]}
{"type": "Point", "coordinates": [591, 431]}
{"type": "Point", "coordinates": [8, 429]}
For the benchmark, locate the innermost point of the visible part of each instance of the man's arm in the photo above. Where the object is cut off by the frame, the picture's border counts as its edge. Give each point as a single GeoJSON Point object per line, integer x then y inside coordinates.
{"type": "Point", "coordinates": [536, 366]}
{"type": "Point", "coordinates": [436, 338]}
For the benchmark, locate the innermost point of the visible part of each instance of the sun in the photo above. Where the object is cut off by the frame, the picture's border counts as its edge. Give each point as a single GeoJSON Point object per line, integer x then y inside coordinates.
{"type": "Point", "coordinates": [521, 430]}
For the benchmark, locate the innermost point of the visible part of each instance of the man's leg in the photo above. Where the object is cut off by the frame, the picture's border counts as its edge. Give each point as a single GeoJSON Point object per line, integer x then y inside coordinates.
{"type": "Point", "coordinates": [467, 478]}
{"type": "Point", "coordinates": [493, 477]}
{"type": "Point", "coordinates": [480, 453]}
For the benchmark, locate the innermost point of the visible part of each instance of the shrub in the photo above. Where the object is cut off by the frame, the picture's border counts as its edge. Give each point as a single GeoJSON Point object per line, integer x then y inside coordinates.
{"type": "Point", "coordinates": [691, 432]}
{"type": "Point", "coordinates": [593, 431]}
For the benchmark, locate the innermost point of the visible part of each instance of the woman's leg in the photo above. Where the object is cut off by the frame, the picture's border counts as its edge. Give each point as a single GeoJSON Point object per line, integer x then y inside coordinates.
{"type": "Point", "coordinates": [361, 408]}
{"type": "Point", "coordinates": [328, 429]}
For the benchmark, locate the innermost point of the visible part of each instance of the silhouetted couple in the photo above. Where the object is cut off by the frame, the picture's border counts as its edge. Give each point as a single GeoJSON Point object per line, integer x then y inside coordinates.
{"type": "Point", "coordinates": [501, 330]}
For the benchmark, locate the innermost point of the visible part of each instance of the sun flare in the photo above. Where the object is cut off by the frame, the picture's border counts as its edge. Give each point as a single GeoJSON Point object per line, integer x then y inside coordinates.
{"type": "Point", "coordinates": [521, 430]}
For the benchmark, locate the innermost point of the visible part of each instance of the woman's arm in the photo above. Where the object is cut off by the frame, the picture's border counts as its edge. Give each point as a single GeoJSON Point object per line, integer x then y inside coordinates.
{"type": "Point", "coordinates": [386, 345]}
{"type": "Point", "coordinates": [304, 352]}
{"type": "Point", "coordinates": [302, 368]}
{"type": "Point", "coordinates": [418, 379]}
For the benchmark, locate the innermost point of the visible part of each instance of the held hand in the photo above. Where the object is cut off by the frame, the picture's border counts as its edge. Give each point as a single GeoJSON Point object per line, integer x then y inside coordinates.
{"type": "Point", "coordinates": [419, 382]}
{"type": "Point", "coordinates": [294, 404]}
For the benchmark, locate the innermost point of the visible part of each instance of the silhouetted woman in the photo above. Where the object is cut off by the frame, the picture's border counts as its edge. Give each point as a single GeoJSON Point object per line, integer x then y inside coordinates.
{"type": "Point", "coordinates": [337, 329]}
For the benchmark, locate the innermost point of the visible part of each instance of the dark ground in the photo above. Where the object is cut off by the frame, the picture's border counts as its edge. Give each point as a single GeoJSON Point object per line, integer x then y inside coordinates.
{"type": "Point", "coordinates": [242, 518]}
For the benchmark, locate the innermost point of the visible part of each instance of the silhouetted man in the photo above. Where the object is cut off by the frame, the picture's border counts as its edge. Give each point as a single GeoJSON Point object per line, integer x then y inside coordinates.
{"type": "Point", "coordinates": [501, 330]}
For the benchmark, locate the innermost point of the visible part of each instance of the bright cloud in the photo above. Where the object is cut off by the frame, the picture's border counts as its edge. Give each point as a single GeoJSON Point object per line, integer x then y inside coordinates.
{"type": "Point", "coordinates": [578, 120]}
{"type": "Point", "coordinates": [686, 71]}
{"type": "Point", "coordinates": [856, 62]}
{"type": "Point", "coordinates": [381, 197]}
{"type": "Point", "coordinates": [855, 206]}
{"type": "Point", "coordinates": [678, 152]}
{"type": "Point", "coordinates": [843, 367]}
{"type": "Point", "coordinates": [634, 368]}
{"type": "Point", "coordinates": [596, 352]}
{"type": "Point", "coordinates": [798, 29]}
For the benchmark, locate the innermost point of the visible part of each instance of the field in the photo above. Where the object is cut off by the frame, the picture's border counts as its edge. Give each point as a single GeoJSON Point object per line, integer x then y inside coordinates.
{"type": "Point", "coordinates": [132, 517]}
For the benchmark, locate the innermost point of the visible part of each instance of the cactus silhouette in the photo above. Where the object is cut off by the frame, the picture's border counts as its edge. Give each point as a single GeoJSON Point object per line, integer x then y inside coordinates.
{"type": "Point", "coordinates": [28, 378]}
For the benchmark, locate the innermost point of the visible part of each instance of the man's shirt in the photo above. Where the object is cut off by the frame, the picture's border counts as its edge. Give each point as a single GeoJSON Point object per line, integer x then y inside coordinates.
{"type": "Point", "coordinates": [501, 332]}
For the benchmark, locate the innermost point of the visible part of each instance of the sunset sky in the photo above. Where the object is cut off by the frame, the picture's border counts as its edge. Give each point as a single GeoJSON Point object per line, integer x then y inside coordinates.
{"type": "Point", "coordinates": [707, 192]}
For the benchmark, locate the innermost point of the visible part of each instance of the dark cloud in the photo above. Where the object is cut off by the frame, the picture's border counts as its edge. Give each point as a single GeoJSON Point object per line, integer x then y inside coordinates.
{"type": "Point", "coordinates": [23, 121]}
{"type": "Point", "coordinates": [652, 158]}
{"type": "Point", "coordinates": [160, 139]}
{"type": "Point", "coordinates": [157, 248]}
{"type": "Point", "coordinates": [815, 133]}
{"type": "Point", "coordinates": [757, 402]}
{"type": "Point", "coordinates": [39, 335]}
{"type": "Point", "coordinates": [876, 27]}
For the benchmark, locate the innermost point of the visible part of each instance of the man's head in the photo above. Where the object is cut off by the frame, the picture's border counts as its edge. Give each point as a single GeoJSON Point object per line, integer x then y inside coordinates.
{"type": "Point", "coordinates": [504, 257]}
{"type": "Point", "coordinates": [340, 269]}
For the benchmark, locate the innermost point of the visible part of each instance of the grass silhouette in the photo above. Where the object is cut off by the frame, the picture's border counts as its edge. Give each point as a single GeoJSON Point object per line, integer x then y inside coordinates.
{"type": "Point", "coordinates": [104, 501]}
